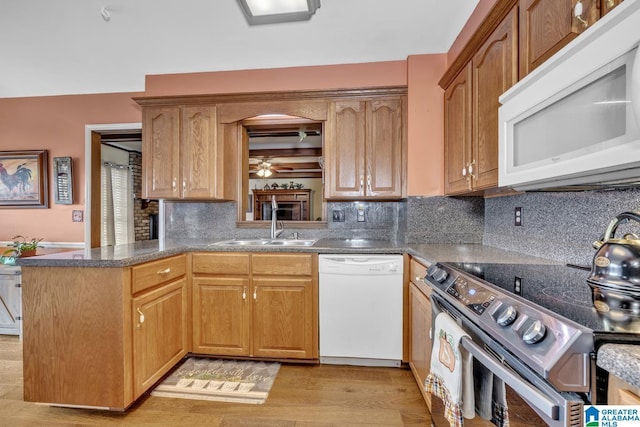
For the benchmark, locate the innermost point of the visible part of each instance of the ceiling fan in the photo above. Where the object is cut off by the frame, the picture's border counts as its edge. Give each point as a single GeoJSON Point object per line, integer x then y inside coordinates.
{"type": "Point", "coordinates": [265, 169]}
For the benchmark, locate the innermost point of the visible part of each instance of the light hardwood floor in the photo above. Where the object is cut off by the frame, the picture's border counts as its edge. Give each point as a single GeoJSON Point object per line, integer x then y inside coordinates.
{"type": "Point", "coordinates": [318, 396]}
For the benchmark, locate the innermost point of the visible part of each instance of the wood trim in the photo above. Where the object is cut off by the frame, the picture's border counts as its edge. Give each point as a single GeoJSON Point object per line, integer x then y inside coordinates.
{"type": "Point", "coordinates": [486, 28]}
{"type": "Point", "coordinates": [270, 96]}
{"type": "Point", "coordinates": [95, 190]}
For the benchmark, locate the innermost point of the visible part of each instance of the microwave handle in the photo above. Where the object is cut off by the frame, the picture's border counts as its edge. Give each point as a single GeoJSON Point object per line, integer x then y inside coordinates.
{"type": "Point", "coordinates": [635, 85]}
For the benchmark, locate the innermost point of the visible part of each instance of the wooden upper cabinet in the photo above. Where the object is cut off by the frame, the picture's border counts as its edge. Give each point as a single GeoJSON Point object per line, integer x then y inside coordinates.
{"type": "Point", "coordinates": [607, 5]}
{"type": "Point", "coordinates": [384, 148]}
{"type": "Point", "coordinates": [471, 110]}
{"type": "Point", "coordinates": [366, 149]}
{"type": "Point", "coordinates": [345, 147]}
{"type": "Point", "coordinates": [201, 160]}
{"type": "Point", "coordinates": [457, 132]}
{"type": "Point", "coordinates": [182, 154]}
{"type": "Point", "coordinates": [161, 152]}
{"type": "Point", "coordinates": [548, 25]}
{"type": "Point", "coordinates": [495, 69]}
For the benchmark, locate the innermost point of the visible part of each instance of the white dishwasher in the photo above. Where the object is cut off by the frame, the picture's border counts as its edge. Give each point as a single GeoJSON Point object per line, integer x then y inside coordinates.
{"type": "Point", "coordinates": [361, 309]}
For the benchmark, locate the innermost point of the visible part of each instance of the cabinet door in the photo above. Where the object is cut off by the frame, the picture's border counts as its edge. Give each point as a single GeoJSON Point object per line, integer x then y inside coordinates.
{"type": "Point", "coordinates": [201, 161]}
{"type": "Point", "coordinates": [284, 318]}
{"type": "Point", "coordinates": [221, 316]}
{"type": "Point", "coordinates": [607, 6]}
{"type": "Point", "coordinates": [495, 69]}
{"type": "Point", "coordinates": [159, 333]}
{"type": "Point", "coordinates": [457, 132]}
{"type": "Point", "coordinates": [161, 152]}
{"type": "Point", "coordinates": [548, 25]}
{"type": "Point", "coordinates": [420, 341]}
{"type": "Point", "coordinates": [10, 304]}
{"type": "Point", "coordinates": [384, 148]}
{"type": "Point", "coordinates": [345, 145]}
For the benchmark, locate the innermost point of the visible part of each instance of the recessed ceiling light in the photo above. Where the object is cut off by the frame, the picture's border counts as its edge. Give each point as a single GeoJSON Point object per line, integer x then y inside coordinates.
{"type": "Point", "coordinates": [275, 11]}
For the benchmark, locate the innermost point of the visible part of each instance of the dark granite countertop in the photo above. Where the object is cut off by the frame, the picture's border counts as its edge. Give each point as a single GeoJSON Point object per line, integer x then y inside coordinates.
{"type": "Point", "coordinates": [622, 360]}
{"type": "Point", "coordinates": [126, 255]}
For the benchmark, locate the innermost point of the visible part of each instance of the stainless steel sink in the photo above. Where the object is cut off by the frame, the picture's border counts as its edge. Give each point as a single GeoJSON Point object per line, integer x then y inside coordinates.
{"type": "Point", "coordinates": [242, 242]}
{"type": "Point", "coordinates": [265, 242]}
{"type": "Point", "coordinates": [298, 242]}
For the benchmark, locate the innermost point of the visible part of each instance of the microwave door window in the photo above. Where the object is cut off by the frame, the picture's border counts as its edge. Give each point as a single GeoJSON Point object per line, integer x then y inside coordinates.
{"type": "Point", "coordinates": [575, 124]}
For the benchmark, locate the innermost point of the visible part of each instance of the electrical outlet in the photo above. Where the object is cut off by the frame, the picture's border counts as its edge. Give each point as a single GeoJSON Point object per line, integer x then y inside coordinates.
{"type": "Point", "coordinates": [338, 215]}
{"type": "Point", "coordinates": [517, 285]}
{"type": "Point", "coordinates": [361, 213]}
{"type": "Point", "coordinates": [517, 216]}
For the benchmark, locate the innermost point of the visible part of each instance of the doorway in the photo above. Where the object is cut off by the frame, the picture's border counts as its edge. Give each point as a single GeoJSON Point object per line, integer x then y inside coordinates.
{"type": "Point", "coordinates": [126, 138]}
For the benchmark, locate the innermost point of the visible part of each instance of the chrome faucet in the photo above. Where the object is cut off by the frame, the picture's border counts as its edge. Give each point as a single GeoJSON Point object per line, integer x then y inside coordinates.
{"type": "Point", "coordinates": [274, 219]}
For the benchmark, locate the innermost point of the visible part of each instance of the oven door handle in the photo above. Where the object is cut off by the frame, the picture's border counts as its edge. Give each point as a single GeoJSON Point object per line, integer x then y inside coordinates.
{"type": "Point", "coordinates": [548, 407]}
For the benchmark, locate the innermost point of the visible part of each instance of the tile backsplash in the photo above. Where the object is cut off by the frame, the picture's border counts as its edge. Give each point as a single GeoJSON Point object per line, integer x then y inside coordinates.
{"type": "Point", "coordinates": [556, 225]}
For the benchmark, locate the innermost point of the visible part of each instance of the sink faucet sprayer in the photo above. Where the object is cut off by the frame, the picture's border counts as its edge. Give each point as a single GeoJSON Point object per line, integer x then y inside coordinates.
{"type": "Point", "coordinates": [274, 219]}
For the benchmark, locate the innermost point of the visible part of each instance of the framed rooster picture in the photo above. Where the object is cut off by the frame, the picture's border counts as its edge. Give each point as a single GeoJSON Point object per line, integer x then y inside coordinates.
{"type": "Point", "coordinates": [23, 179]}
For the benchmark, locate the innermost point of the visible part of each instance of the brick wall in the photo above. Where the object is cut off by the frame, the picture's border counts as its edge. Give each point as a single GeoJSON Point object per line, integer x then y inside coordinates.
{"type": "Point", "coordinates": [142, 208]}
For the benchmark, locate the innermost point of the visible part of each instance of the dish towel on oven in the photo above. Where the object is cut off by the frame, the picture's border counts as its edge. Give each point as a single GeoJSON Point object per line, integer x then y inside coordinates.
{"type": "Point", "coordinates": [490, 396]}
{"type": "Point", "coordinates": [449, 364]}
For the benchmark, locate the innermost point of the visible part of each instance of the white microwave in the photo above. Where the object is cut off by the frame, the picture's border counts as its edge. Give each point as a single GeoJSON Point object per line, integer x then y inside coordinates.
{"type": "Point", "coordinates": [575, 121]}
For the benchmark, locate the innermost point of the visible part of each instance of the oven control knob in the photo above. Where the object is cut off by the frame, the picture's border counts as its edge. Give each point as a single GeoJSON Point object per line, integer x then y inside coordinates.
{"type": "Point", "coordinates": [534, 333]}
{"type": "Point", "coordinates": [437, 274]}
{"type": "Point", "coordinates": [508, 316]}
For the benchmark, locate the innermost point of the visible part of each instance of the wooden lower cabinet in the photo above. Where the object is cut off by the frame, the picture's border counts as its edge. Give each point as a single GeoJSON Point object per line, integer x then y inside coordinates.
{"type": "Point", "coordinates": [621, 392]}
{"type": "Point", "coordinates": [159, 333]}
{"type": "Point", "coordinates": [255, 305]}
{"type": "Point", "coordinates": [221, 315]}
{"type": "Point", "coordinates": [420, 315]}
{"type": "Point", "coordinates": [90, 341]}
{"type": "Point", "coordinates": [284, 324]}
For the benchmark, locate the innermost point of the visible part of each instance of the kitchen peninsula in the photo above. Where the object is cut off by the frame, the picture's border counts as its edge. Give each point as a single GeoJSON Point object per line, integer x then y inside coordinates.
{"type": "Point", "coordinates": [102, 326]}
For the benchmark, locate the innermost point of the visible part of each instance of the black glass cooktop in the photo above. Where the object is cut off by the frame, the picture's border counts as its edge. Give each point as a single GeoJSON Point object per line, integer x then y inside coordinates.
{"type": "Point", "coordinates": [560, 288]}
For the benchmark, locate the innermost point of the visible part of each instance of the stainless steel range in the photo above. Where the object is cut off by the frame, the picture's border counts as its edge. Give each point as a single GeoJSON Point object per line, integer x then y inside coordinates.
{"type": "Point", "coordinates": [532, 325]}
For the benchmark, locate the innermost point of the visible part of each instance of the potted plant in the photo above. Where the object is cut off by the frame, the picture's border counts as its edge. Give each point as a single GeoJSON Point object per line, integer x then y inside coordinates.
{"type": "Point", "coordinates": [23, 246]}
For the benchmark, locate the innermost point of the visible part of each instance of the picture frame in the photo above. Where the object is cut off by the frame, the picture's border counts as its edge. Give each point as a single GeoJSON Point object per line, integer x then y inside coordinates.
{"type": "Point", "coordinates": [63, 180]}
{"type": "Point", "coordinates": [24, 179]}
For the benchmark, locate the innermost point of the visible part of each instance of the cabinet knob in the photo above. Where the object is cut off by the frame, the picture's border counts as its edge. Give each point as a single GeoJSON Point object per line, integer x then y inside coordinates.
{"type": "Point", "coordinates": [361, 183]}
{"type": "Point", "coordinates": [184, 185]}
{"type": "Point", "coordinates": [470, 167]}
{"type": "Point", "coordinates": [577, 13]}
{"type": "Point", "coordinates": [165, 271]}
{"type": "Point", "coordinates": [464, 171]}
{"type": "Point", "coordinates": [174, 185]}
{"type": "Point", "coordinates": [369, 185]}
{"type": "Point", "coordinates": [255, 294]}
{"type": "Point", "coordinates": [140, 317]}
{"type": "Point", "coordinates": [244, 293]}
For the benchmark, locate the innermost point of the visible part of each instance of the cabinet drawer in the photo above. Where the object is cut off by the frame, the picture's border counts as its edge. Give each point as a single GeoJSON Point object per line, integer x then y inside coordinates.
{"type": "Point", "coordinates": [418, 271]}
{"type": "Point", "coordinates": [153, 273]}
{"type": "Point", "coordinates": [282, 264]}
{"type": "Point", "coordinates": [220, 263]}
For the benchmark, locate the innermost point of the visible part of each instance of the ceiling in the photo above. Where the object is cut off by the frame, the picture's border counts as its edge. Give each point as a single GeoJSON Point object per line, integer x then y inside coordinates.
{"type": "Point", "coordinates": [66, 47]}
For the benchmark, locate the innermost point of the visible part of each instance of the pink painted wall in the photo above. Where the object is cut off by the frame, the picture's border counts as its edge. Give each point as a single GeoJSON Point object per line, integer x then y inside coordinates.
{"type": "Point", "coordinates": [376, 74]}
{"type": "Point", "coordinates": [425, 168]}
{"type": "Point", "coordinates": [474, 21]}
{"type": "Point", "coordinates": [57, 124]}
